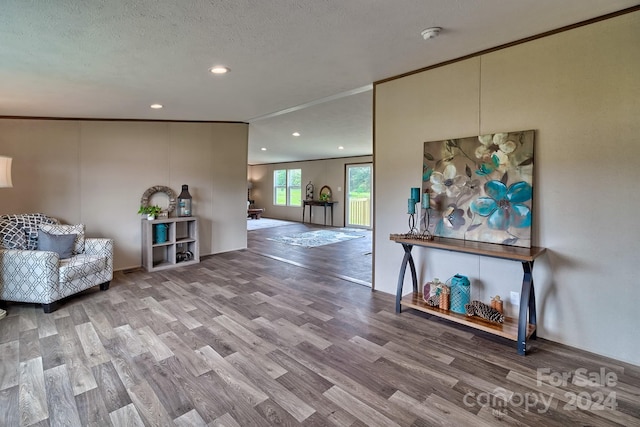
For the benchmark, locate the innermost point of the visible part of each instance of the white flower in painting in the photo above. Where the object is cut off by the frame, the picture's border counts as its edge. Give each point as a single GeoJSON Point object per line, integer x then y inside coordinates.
{"type": "Point", "coordinates": [447, 181]}
{"type": "Point", "coordinates": [497, 145]}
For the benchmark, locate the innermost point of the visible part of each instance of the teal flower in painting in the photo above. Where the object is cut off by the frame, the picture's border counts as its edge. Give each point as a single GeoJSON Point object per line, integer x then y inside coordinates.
{"type": "Point", "coordinates": [504, 207]}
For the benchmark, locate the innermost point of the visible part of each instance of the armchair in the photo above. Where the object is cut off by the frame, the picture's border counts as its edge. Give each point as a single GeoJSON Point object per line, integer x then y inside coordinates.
{"type": "Point", "coordinates": [41, 276]}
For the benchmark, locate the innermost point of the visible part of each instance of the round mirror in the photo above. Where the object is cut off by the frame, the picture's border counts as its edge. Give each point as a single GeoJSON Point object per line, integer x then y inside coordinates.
{"type": "Point", "coordinates": [325, 193]}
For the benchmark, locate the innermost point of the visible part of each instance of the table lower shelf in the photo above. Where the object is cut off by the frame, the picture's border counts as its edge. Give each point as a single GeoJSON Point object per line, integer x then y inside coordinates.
{"type": "Point", "coordinates": [508, 329]}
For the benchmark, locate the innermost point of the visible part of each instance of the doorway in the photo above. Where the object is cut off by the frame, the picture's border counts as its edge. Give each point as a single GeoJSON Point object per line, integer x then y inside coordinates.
{"type": "Point", "coordinates": [359, 203]}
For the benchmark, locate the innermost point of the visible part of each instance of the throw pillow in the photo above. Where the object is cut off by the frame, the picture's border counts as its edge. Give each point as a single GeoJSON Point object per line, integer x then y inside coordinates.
{"type": "Point", "coordinates": [29, 223]}
{"type": "Point", "coordinates": [78, 230]}
{"type": "Point", "coordinates": [12, 236]}
{"type": "Point", "coordinates": [60, 243]}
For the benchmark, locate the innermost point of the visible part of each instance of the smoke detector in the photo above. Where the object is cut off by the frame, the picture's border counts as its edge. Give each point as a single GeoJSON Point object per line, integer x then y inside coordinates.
{"type": "Point", "coordinates": [431, 33]}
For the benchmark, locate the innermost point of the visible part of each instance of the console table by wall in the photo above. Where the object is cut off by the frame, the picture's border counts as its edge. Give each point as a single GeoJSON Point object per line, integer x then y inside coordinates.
{"type": "Point", "coordinates": [519, 329]}
{"type": "Point", "coordinates": [311, 203]}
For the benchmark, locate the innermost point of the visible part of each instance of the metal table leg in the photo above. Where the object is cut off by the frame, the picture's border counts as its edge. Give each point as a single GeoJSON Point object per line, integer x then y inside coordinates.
{"type": "Point", "coordinates": [403, 268]}
{"type": "Point", "coordinates": [527, 307]}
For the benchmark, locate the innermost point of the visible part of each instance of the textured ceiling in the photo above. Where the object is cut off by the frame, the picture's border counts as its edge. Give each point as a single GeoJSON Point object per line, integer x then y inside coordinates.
{"type": "Point", "coordinates": [112, 59]}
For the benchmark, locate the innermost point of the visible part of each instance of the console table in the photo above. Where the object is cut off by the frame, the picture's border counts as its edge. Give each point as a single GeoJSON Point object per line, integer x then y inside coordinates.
{"type": "Point", "coordinates": [519, 329]}
{"type": "Point", "coordinates": [311, 203]}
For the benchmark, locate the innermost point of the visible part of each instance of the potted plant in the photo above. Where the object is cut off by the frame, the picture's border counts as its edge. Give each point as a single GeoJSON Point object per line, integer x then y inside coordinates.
{"type": "Point", "coordinates": [150, 211]}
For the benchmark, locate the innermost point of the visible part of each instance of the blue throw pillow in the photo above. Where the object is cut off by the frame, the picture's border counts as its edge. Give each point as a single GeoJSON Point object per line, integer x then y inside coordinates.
{"type": "Point", "coordinates": [60, 243]}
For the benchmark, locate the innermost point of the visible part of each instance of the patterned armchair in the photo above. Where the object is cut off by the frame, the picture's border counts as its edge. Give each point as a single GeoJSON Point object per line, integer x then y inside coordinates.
{"type": "Point", "coordinates": [43, 276]}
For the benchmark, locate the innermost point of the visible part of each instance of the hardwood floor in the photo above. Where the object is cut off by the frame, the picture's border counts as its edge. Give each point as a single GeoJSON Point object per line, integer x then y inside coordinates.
{"type": "Point", "coordinates": [246, 340]}
{"type": "Point", "coordinates": [350, 260]}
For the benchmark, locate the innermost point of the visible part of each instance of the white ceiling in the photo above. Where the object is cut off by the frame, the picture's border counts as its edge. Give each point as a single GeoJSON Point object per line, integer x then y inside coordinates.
{"type": "Point", "coordinates": [97, 59]}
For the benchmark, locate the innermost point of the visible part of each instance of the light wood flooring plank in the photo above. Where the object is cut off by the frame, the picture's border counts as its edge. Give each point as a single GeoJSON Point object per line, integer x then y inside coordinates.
{"type": "Point", "coordinates": [159, 310]}
{"type": "Point", "coordinates": [309, 386]}
{"type": "Point", "coordinates": [254, 341]}
{"type": "Point", "coordinates": [46, 326]}
{"type": "Point", "coordinates": [114, 393]}
{"type": "Point", "coordinates": [156, 346]}
{"type": "Point", "coordinates": [225, 420]}
{"type": "Point", "coordinates": [182, 316]}
{"type": "Point", "coordinates": [149, 406]}
{"type": "Point", "coordinates": [161, 380]}
{"type": "Point", "coordinates": [60, 400]}
{"type": "Point", "coordinates": [52, 352]}
{"type": "Point", "coordinates": [74, 357]}
{"type": "Point", "coordinates": [129, 341]}
{"type": "Point", "coordinates": [33, 395]}
{"type": "Point", "coordinates": [192, 360]}
{"type": "Point", "coordinates": [10, 366]}
{"type": "Point", "coordinates": [286, 399]}
{"type": "Point", "coordinates": [100, 322]}
{"type": "Point", "coordinates": [91, 408]}
{"type": "Point", "coordinates": [190, 419]}
{"type": "Point", "coordinates": [358, 409]}
{"type": "Point", "coordinates": [9, 402]}
{"type": "Point", "coordinates": [91, 344]}
{"type": "Point", "coordinates": [28, 318]}
{"type": "Point", "coordinates": [126, 416]}
{"type": "Point", "coordinates": [29, 345]}
{"type": "Point", "coordinates": [230, 375]}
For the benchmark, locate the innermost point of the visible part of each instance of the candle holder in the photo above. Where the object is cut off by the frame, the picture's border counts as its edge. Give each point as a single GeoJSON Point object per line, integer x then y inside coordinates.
{"type": "Point", "coordinates": [426, 234]}
{"type": "Point", "coordinates": [426, 205]}
{"type": "Point", "coordinates": [413, 231]}
{"type": "Point", "coordinates": [411, 211]}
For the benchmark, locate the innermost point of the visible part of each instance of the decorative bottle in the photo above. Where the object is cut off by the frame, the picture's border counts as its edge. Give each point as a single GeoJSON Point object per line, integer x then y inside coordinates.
{"type": "Point", "coordinates": [496, 303]}
{"type": "Point", "coordinates": [309, 195]}
{"type": "Point", "coordinates": [444, 297]}
{"type": "Point", "coordinates": [184, 202]}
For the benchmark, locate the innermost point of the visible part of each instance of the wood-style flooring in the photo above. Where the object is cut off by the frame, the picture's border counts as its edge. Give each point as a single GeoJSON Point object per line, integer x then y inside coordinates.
{"type": "Point", "coordinates": [242, 339]}
{"type": "Point", "coordinates": [350, 260]}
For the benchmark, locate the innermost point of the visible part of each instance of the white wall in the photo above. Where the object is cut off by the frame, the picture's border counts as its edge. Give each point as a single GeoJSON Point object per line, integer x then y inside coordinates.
{"type": "Point", "coordinates": [580, 91]}
{"type": "Point", "coordinates": [95, 172]}
{"type": "Point", "coordinates": [329, 172]}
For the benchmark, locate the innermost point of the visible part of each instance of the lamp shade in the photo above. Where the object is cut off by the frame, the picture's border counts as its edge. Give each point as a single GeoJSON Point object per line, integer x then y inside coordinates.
{"type": "Point", "coordinates": [5, 172]}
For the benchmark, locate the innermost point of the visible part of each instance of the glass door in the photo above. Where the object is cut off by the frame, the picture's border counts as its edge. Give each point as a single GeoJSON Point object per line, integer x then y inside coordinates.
{"type": "Point", "coordinates": [359, 203]}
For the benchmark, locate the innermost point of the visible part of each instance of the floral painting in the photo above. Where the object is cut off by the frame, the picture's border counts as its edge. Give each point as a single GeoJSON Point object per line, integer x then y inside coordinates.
{"type": "Point", "coordinates": [480, 188]}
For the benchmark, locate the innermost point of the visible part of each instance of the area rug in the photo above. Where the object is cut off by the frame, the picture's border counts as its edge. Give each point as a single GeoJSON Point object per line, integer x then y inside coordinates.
{"type": "Point", "coordinates": [259, 224]}
{"type": "Point", "coordinates": [312, 239]}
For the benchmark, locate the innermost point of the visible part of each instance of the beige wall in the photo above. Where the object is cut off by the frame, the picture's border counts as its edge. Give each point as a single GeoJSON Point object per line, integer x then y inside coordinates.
{"type": "Point", "coordinates": [580, 91]}
{"type": "Point", "coordinates": [329, 172]}
{"type": "Point", "coordinates": [95, 172]}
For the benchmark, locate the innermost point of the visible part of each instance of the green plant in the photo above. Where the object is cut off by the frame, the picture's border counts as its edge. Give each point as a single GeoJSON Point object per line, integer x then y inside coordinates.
{"type": "Point", "coordinates": [150, 210]}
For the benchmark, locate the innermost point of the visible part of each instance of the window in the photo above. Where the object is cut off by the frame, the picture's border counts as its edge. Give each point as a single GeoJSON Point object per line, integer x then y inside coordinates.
{"type": "Point", "coordinates": [287, 188]}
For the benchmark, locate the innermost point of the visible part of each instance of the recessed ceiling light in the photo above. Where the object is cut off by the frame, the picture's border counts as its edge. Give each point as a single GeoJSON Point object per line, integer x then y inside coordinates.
{"type": "Point", "coordinates": [341, 148]}
{"type": "Point", "coordinates": [296, 134]}
{"type": "Point", "coordinates": [430, 33]}
{"type": "Point", "coordinates": [156, 106]}
{"type": "Point", "coordinates": [263, 149]}
{"type": "Point", "coordinates": [219, 69]}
